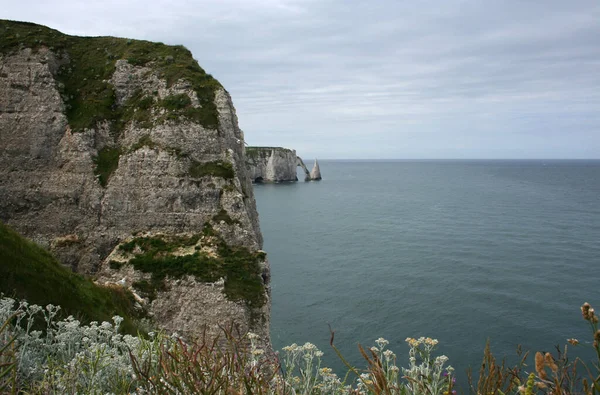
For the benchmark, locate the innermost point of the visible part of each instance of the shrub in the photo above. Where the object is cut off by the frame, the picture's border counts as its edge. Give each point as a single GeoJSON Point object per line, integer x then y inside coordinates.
{"type": "Point", "coordinates": [239, 266]}
{"type": "Point", "coordinates": [214, 169]}
{"type": "Point", "coordinates": [106, 162]}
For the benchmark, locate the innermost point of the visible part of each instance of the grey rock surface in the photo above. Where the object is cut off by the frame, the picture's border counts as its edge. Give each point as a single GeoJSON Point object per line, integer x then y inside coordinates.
{"type": "Point", "coordinates": [49, 191]}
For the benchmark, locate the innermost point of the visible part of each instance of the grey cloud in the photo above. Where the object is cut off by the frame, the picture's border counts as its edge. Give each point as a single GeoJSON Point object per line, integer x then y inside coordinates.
{"type": "Point", "coordinates": [382, 79]}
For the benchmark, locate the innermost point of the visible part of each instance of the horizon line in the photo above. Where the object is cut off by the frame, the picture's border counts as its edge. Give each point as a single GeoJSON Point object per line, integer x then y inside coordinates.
{"type": "Point", "coordinates": [459, 159]}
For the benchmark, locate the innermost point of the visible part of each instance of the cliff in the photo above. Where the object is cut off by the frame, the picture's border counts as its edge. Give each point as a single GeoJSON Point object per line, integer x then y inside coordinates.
{"type": "Point", "coordinates": [274, 164]}
{"type": "Point", "coordinates": [125, 159]}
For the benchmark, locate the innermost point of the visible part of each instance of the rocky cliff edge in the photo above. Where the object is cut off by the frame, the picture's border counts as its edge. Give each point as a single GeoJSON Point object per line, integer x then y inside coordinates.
{"type": "Point", "coordinates": [125, 159]}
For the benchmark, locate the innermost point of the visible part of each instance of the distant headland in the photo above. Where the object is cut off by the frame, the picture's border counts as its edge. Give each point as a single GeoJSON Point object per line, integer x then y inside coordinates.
{"type": "Point", "coordinates": [277, 164]}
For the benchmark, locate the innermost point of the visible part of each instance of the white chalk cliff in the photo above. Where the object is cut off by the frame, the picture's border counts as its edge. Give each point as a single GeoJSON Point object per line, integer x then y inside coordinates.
{"type": "Point", "coordinates": [274, 164]}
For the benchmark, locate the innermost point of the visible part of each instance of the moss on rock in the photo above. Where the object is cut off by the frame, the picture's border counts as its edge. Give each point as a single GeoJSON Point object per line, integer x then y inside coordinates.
{"type": "Point", "coordinates": [214, 169]}
{"type": "Point", "coordinates": [239, 266]}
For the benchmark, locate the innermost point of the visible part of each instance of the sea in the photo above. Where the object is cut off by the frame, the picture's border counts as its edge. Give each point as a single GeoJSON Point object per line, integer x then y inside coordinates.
{"type": "Point", "coordinates": [463, 251]}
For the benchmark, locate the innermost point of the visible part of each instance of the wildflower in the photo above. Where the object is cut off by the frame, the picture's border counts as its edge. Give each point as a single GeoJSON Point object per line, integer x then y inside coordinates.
{"type": "Point", "coordinates": [252, 336]}
{"type": "Point", "coordinates": [381, 342]}
{"type": "Point", "coordinates": [117, 320]}
{"type": "Point", "coordinates": [319, 354]}
{"type": "Point", "coordinates": [291, 348]}
{"type": "Point", "coordinates": [389, 355]}
{"type": "Point", "coordinates": [442, 359]}
{"type": "Point", "coordinates": [573, 342]}
{"type": "Point", "coordinates": [585, 309]}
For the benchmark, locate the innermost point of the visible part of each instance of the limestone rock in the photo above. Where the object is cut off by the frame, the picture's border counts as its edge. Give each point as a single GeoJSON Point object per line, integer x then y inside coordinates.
{"type": "Point", "coordinates": [273, 164]}
{"type": "Point", "coordinates": [165, 156]}
{"type": "Point", "coordinates": [315, 173]}
{"type": "Point", "coordinates": [303, 166]}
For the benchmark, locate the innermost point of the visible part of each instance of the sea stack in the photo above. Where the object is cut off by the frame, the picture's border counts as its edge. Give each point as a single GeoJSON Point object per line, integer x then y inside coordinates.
{"type": "Point", "coordinates": [315, 174]}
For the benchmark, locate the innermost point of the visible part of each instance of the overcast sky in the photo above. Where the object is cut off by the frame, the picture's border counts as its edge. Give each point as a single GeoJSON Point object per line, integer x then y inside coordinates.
{"type": "Point", "coordinates": [380, 79]}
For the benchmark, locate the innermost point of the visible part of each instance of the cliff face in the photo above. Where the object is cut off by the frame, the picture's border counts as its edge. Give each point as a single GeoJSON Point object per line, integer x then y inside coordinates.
{"type": "Point", "coordinates": [273, 164]}
{"type": "Point", "coordinates": [125, 159]}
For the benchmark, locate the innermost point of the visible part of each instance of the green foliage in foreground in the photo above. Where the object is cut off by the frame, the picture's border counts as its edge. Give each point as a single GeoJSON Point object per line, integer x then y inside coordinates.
{"type": "Point", "coordinates": [29, 272]}
{"type": "Point", "coordinates": [84, 80]}
{"type": "Point", "coordinates": [90, 359]}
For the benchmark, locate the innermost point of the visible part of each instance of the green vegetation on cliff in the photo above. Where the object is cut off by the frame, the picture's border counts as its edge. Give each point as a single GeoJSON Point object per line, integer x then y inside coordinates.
{"type": "Point", "coordinates": [213, 169]}
{"type": "Point", "coordinates": [261, 152]}
{"type": "Point", "coordinates": [88, 63]}
{"type": "Point", "coordinates": [106, 162]}
{"type": "Point", "coordinates": [237, 265]}
{"type": "Point", "coordinates": [27, 271]}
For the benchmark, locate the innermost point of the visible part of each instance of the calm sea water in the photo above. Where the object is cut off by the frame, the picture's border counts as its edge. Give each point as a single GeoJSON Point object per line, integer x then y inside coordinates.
{"type": "Point", "coordinates": [461, 251]}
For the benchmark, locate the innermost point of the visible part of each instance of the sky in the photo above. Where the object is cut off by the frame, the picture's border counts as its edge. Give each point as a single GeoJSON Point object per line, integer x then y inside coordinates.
{"type": "Point", "coordinates": [380, 79]}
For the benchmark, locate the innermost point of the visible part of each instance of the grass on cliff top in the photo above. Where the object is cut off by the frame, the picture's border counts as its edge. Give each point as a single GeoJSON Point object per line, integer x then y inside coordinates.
{"type": "Point", "coordinates": [239, 266]}
{"type": "Point", "coordinates": [29, 272]}
{"type": "Point", "coordinates": [83, 80]}
{"type": "Point", "coordinates": [254, 152]}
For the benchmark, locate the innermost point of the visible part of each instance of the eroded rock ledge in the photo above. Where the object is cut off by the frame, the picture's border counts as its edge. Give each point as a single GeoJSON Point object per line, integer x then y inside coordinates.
{"type": "Point", "coordinates": [276, 164]}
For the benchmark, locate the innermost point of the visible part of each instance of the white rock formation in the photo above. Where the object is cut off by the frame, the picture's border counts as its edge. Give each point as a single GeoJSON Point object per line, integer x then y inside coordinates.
{"type": "Point", "coordinates": [315, 173]}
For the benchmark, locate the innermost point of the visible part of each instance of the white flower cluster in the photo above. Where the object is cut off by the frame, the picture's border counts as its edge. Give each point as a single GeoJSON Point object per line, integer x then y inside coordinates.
{"type": "Point", "coordinates": [302, 371]}
{"type": "Point", "coordinates": [437, 376]}
{"type": "Point", "coordinates": [67, 357]}
{"type": "Point", "coordinates": [64, 356]}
